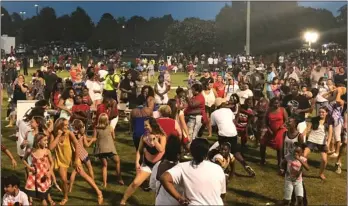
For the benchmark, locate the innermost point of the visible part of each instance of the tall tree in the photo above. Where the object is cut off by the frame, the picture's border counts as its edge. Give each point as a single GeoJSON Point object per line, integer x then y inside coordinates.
{"type": "Point", "coordinates": [191, 35]}
{"type": "Point", "coordinates": [47, 21]}
{"type": "Point", "coordinates": [106, 33]}
{"type": "Point", "coordinates": [81, 25]}
{"type": "Point", "coordinates": [6, 22]}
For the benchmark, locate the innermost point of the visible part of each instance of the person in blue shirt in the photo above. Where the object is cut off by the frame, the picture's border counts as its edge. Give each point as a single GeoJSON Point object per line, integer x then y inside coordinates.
{"type": "Point", "coordinates": [162, 67]}
{"type": "Point", "coordinates": [139, 68]}
{"type": "Point", "coordinates": [229, 61]}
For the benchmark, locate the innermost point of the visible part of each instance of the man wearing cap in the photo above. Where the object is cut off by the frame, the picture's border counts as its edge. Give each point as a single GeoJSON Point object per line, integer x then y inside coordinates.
{"type": "Point", "coordinates": [223, 118]}
{"type": "Point", "coordinates": [111, 84]}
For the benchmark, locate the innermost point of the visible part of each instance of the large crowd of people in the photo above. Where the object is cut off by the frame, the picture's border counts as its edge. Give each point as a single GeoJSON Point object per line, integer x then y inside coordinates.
{"type": "Point", "coordinates": [294, 105]}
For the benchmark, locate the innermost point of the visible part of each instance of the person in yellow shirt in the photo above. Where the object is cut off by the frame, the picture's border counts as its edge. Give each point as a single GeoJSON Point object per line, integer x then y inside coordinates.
{"type": "Point", "coordinates": [111, 84]}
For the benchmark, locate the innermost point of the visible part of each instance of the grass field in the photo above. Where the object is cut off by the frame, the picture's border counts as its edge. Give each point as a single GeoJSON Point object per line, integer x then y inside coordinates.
{"type": "Point", "coordinates": [266, 187]}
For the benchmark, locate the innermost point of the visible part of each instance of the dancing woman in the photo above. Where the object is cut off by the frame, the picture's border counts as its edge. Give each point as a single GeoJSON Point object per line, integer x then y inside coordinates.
{"type": "Point", "coordinates": [62, 143]}
{"type": "Point", "coordinates": [152, 147]}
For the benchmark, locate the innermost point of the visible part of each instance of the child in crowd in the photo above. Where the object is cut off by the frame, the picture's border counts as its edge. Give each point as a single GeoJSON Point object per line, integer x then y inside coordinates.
{"type": "Point", "coordinates": [79, 110]}
{"type": "Point", "coordinates": [243, 119]}
{"type": "Point", "coordinates": [223, 157]}
{"type": "Point", "coordinates": [105, 147]}
{"type": "Point", "coordinates": [38, 183]}
{"type": "Point", "coordinates": [13, 195]}
{"type": "Point", "coordinates": [86, 99]}
{"type": "Point", "coordinates": [275, 86]}
{"type": "Point", "coordinates": [83, 141]}
{"type": "Point", "coordinates": [292, 165]}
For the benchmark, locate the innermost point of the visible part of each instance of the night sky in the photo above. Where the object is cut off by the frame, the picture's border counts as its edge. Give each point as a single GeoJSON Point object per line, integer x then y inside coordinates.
{"type": "Point", "coordinates": [179, 10]}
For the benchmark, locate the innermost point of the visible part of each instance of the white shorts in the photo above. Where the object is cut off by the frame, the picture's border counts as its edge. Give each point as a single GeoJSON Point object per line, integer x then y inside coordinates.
{"type": "Point", "coordinates": [290, 186]}
{"type": "Point", "coordinates": [337, 131]}
{"type": "Point", "coordinates": [159, 100]}
{"type": "Point", "coordinates": [145, 168]}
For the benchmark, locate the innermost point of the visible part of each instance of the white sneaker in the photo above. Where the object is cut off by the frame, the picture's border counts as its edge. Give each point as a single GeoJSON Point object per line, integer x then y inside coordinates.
{"type": "Point", "coordinates": [6, 119]}
{"type": "Point", "coordinates": [126, 119]}
{"type": "Point", "coordinates": [9, 99]}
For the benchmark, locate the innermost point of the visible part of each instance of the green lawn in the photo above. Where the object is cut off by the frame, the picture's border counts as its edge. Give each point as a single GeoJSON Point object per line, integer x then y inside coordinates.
{"type": "Point", "coordinates": [266, 187]}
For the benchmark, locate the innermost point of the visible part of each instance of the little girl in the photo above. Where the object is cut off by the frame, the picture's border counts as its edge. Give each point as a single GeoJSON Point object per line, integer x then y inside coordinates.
{"type": "Point", "coordinates": [80, 133]}
{"type": "Point", "coordinates": [38, 125]}
{"type": "Point", "coordinates": [275, 86]}
{"type": "Point", "coordinates": [293, 164]}
{"type": "Point", "coordinates": [105, 147]}
{"type": "Point", "coordinates": [243, 120]}
{"type": "Point", "coordinates": [39, 179]}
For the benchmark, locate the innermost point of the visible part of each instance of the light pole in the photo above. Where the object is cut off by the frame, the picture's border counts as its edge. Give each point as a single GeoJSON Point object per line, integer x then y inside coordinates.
{"type": "Point", "coordinates": [247, 38]}
{"type": "Point", "coordinates": [37, 9]}
{"type": "Point", "coordinates": [311, 37]}
{"type": "Point", "coordinates": [22, 13]}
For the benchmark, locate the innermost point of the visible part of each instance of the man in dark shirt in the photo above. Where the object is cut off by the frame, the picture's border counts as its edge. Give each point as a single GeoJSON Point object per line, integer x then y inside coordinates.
{"type": "Point", "coordinates": [25, 65]}
{"type": "Point", "coordinates": [341, 76]}
{"type": "Point", "coordinates": [50, 79]}
{"type": "Point", "coordinates": [296, 103]}
{"type": "Point", "coordinates": [206, 79]}
{"type": "Point", "coordinates": [9, 77]}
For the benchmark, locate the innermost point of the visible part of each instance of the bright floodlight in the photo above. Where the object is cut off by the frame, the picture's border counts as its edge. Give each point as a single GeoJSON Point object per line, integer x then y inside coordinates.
{"type": "Point", "coordinates": [311, 37]}
{"type": "Point", "coordinates": [36, 5]}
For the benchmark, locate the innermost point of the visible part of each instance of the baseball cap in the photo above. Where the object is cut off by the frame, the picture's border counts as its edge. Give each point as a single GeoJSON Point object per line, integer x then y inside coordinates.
{"type": "Point", "coordinates": [219, 101]}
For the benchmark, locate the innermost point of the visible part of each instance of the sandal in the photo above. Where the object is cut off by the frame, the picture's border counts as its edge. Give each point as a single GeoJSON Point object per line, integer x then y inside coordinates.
{"type": "Point", "coordinates": [121, 182]}
{"type": "Point", "coordinates": [58, 188]}
{"type": "Point", "coordinates": [52, 203]}
{"type": "Point", "coordinates": [63, 202]}
{"type": "Point", "coordinates": [100, 199]}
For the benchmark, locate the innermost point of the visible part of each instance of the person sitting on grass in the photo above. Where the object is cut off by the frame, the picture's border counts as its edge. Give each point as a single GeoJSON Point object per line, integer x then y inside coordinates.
{"type": "Point", "coordinates": [223, 157]}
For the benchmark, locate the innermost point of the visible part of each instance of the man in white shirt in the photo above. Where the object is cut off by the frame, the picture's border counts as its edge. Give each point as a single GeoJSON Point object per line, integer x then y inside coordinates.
{"type": "Point", "coordinates": [216, 61]}
{"type": "Point", "coordinates": [204, 182]}
{"type": "Point", "coordinates": [223, 118]}
{"type": "Point", "coordinates": [11, 57]}
{"type": "Point", "coordinates": [13, 194]}
{"type": "Point", "coordinates": [291, 74]}
{"type": "Point", "coordinates": [211, 63]}
{"type": "Point", "coordinates": [281, 59]}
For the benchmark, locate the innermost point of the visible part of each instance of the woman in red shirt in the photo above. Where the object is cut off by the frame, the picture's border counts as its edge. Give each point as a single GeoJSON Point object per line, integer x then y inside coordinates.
{"type": "Point", "coordinates": [170, 126]}
{"type": "Point", "coordinates": [219, 87]}
{"type": "Point", "coordinates": [195, 111]}
{"type": "Point", "coordinates": [57, 92]}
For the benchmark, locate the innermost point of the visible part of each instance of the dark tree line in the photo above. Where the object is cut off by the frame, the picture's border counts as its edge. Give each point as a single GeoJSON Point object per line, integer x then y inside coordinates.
{"type": "Point", "coordinates": [275, 26]}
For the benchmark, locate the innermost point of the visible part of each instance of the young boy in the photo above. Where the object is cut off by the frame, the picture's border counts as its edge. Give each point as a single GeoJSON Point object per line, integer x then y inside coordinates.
{"type": "Point", "coordinates": [294, 163]}
{"type": "Point", "coordinates": [13, 195]}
